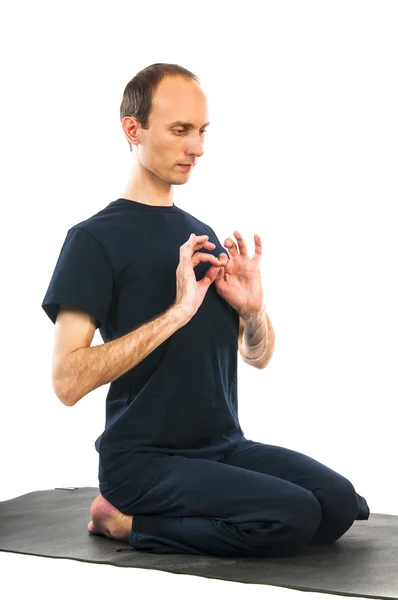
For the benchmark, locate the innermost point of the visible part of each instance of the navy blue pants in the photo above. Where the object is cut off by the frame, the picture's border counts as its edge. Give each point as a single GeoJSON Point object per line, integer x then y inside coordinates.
{"type": "Point", "coordinates": [254, 500]}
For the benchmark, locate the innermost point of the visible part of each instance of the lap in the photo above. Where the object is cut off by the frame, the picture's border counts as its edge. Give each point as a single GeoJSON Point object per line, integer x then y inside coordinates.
{"type": "Point", "coordinates": [284, 463]}
{"type": "Point", "coordinates": [181, 486]}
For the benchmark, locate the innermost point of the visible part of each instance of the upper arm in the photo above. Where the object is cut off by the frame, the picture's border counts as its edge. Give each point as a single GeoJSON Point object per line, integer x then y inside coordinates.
{"type": "Point", "coordinates": [74, 329]}
{"type": "Point", "coordinates": [83, 277]}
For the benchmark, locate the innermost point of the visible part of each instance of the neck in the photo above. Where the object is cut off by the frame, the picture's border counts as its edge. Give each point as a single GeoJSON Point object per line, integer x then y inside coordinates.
{"type": "Point", "coordinates": [145, 187]}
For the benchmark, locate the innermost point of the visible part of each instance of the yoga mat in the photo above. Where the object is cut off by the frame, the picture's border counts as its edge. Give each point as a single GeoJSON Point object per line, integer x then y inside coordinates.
{"type": "Point", "coordinates": [53, 523]}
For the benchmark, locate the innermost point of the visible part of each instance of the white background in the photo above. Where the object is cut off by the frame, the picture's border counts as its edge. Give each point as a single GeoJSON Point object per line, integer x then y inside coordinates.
{"type": "Point", "coordinates": [302, 150]}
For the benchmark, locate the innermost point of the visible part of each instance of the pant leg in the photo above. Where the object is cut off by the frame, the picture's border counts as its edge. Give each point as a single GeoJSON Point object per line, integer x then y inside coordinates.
{"type": "Point", "coordinates": [201, 506]}
{"type": "Point", "coordinates": [340, 503]}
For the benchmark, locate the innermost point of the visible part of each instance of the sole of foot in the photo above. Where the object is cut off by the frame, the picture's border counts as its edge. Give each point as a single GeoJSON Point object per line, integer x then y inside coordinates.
{"type": "Point", "coordinates": [109, 521]}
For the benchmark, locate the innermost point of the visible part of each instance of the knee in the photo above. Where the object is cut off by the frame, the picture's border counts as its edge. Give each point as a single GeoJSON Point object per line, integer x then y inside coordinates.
{"type": "Point", "coordinates": [297, 519]}
{"type": "Point", "coordinates": [304, 520]}
{"type": "Point", "coordinates": [339, 503]}
{"type": "Point", "coordinates": [301, 519]}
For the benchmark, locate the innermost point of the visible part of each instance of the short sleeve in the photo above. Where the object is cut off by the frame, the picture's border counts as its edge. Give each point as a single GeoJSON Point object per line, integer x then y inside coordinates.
{"type": "Point", "coordinates": [83, 278]}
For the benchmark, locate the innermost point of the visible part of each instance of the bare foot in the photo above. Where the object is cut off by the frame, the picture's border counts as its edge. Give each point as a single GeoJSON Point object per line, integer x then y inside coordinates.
{"type": "Point", "coordinates": [108, 520]}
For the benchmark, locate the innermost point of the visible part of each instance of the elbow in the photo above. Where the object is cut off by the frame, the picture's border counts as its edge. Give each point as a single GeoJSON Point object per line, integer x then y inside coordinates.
{"type": "Point", "coordinates": [267, 360]}
{"type": "Point", "coordinates": [64, 385]}
{"type": "Point", "coordinates": [252, 362]}
{"type": "Point", "coordinates": [68, 402]}
{"type": "Point", "coordinates": [257, 363]}
{"type": "Point", "coordinates": [66, 398]}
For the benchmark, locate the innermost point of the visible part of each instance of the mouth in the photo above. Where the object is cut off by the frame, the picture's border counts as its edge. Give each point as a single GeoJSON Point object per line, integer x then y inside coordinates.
{"type": "Point", "coordinates": [186, 167]}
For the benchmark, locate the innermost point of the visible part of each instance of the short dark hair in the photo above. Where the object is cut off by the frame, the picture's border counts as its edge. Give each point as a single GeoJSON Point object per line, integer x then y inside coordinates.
{"type": "Point", "coordinates": [137, 95]}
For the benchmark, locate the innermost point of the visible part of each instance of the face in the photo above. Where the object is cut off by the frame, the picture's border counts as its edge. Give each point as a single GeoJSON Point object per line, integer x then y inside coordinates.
{"type": "Point", "coordinates": [167, 144]}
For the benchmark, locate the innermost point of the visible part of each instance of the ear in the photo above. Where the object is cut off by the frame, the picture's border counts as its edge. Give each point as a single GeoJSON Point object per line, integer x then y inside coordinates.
{"type": "Point", "coordinates": [131, 127]}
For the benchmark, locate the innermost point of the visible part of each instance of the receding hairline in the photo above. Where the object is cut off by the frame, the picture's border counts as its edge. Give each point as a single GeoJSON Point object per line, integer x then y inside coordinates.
{"type": "Point", "coordinates": [179, 122]}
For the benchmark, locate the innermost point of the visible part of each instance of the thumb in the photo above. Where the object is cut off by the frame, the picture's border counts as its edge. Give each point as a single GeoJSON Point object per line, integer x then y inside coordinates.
{"type": "Point", "coordinates": [223, 257]}
{"type": "Point", "coordinates": [220, 274]}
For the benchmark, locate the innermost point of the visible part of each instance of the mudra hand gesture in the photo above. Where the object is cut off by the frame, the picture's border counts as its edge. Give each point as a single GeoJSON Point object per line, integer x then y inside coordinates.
{"type": "Point", "coordinates": [239, 279]}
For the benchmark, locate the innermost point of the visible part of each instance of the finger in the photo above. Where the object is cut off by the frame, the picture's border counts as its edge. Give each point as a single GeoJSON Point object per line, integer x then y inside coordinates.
{"type": "Point", "coordinates": [258, 247]}
{"type": "Point", "coordinates": [210, 275]}
{"type": "Point", "coordinates": [186, 247]}
{"type": "Point", "coordinates": [231, 246]}
{"type": "Point", "coordinates": [204, 244]}
{"type": "Point", "coordinates": [193, 243]}
{"type": "Point", "coordinates": [241, 243]}
{"type": "Point", "coordinates": [196, 239]}
{"type": "Point", "coordinates": [220, 274]}
{"type": "Point", "coordinates": [200, 241]}
{"type": "Point", "coordinates": [205, 257]}
{"type": "Point", "coordinates": [224, 258]}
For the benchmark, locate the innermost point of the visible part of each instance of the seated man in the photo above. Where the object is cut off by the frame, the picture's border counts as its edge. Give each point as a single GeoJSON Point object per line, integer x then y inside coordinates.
{"type": "Point", "coordinates": [176, 473]}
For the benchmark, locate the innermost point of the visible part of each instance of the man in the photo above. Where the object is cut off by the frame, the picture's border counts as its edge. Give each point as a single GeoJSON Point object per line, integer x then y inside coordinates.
{"type": "Point", "coordinates": [176, 473]}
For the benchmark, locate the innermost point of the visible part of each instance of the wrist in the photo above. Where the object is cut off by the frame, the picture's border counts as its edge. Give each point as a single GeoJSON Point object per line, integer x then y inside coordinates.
{"type": "Point", "coordinates": [178, 314]}
{"type": "Point", "coordinates": [252, 315]}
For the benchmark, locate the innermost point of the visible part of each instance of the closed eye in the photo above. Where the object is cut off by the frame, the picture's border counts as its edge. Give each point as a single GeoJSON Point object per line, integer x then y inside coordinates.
{"type": "Point", "coordinates": [183, 131]}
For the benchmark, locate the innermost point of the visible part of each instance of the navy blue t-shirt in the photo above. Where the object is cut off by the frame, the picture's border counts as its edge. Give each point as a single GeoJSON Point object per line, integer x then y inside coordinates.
{"type": "Point", "coordinates": [120, 267]}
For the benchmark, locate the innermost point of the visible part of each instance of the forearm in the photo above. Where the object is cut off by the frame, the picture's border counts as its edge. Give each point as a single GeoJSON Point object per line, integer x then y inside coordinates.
{"type": "Point", "coordinates": [88, 368]}
{"type": "Point", "coordinates": [258, 340]}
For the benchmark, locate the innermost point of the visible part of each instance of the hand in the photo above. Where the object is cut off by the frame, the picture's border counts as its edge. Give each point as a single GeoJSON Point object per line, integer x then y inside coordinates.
{"type": "Point", "coordinates": [190, 293]}
{"type": "Point", "coordinates": [239, 279]}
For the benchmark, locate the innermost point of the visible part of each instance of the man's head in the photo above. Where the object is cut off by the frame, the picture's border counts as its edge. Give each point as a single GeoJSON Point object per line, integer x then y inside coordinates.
{"type": "Point", "coordinates": [154, 101]}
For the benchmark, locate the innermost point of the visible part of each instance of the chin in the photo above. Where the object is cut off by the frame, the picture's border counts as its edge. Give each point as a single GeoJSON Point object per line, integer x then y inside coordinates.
{"type": "Point", "coordinates": [178, 180]}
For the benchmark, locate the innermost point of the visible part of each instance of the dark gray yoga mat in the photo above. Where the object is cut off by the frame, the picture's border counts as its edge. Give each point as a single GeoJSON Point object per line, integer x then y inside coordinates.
{"type": "Point", "coordinates": [53, 523]}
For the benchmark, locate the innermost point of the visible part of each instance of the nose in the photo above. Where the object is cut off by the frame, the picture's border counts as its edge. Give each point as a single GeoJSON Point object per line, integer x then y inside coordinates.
{"type": "Point", "coordinates": [195, 146]}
